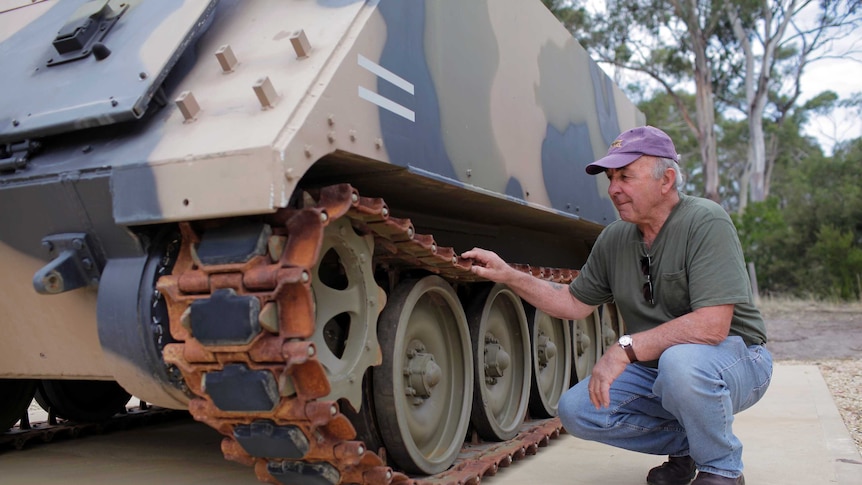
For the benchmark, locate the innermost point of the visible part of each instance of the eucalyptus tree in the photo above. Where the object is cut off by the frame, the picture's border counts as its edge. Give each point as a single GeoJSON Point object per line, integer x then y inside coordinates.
{"type": "Point", "coordinates": [776, 40]}
{"type": "Point", "coordinates": [744, 54]}
{"type": "Point", "coordinates": [673, 43]}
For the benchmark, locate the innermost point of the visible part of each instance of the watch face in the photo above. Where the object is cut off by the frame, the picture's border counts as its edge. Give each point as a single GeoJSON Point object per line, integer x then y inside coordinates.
{"type": "Point", "coordinates": [625, 340]}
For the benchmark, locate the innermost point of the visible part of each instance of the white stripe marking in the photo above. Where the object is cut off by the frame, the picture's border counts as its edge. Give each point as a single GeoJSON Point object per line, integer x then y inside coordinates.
{"type": "Point", "coordinates": [386, 104]}
{"type": "Point", "coordinates": [384, 73]}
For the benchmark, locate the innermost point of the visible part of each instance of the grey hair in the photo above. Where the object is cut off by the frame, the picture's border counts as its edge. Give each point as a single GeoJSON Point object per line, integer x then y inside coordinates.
{"type": "Point", "coordinates": [663, 164]}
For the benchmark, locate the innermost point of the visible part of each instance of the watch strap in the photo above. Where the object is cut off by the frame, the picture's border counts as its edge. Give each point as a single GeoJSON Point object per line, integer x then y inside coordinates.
{"type": "Point", "coordinates": [630, 352]}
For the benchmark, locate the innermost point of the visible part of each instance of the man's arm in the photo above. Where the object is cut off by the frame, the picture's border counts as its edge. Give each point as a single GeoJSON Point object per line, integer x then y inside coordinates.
{"type": "Point", "coordinates": [708, 325]}
{"type": "Point", "coordinates": [549, 297]}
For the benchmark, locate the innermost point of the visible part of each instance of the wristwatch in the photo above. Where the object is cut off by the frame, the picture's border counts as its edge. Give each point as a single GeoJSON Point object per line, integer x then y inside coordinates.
{"type": "Point", "coordinates": [626, 343]}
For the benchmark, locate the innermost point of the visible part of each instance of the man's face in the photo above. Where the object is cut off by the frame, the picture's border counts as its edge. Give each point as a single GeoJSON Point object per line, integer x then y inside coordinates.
{"type": "Point", "coordinates": [633, 189]}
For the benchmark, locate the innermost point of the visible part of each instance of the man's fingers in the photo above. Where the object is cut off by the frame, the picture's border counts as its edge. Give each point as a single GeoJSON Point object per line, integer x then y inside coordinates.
{"type": "Point", "coordinates": [596, 392]}
{"type": "Point", "coordinates": [605, 398]}
{"type": "Point", "coordinates": [594, 399]}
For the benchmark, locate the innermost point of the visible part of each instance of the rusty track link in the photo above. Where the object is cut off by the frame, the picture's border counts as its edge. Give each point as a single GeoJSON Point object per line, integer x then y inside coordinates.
{"type": "Point", "coordinates": [279, 362]}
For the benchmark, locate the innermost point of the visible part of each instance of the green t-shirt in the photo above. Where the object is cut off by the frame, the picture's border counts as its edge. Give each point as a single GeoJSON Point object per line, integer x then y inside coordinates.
{"type": "Point", "coordinates": [696, 262]}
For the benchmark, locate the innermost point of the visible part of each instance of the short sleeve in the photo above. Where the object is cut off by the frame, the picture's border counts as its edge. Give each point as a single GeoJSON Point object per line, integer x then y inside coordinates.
{"type": "Point", "coordinates": [716, 265]}
{"type": "Point", "coordinates": [592, 286]}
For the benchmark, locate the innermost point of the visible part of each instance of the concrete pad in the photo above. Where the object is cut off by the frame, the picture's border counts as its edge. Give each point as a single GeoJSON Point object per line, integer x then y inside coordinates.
{"type": "Point", "coordinates": [793, 436]}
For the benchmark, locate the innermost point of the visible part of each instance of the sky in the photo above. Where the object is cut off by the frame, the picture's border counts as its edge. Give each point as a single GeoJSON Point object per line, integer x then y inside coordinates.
{"type": "Point", "coordinates": [844, 76]}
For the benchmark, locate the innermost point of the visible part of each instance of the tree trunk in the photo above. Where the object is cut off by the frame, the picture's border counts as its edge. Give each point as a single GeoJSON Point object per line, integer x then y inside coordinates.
{"type": "Point", "coordinates": [743, 189]}
{"type": "Point", "coordinates": [757, 150]}
{"type": "Point", "coordinates": [757, 90]}
{"type": "Point", "coordinates": [704, 98]}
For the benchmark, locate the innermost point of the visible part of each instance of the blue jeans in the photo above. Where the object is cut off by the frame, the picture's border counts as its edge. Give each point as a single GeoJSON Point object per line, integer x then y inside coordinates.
{"type": "Point", "coordinates": [685, 407]}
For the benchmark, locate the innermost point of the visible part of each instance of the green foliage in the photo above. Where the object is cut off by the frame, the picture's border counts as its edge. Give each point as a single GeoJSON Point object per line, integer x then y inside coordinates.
{"type": "Point", "coordinates": [806, 239]}
{"type": "Point", "coordinates": [835, 264]}
{"type": "Point", "coordinates": [770, 243]}
{"type": "Point", "coordinates": [573, 16]}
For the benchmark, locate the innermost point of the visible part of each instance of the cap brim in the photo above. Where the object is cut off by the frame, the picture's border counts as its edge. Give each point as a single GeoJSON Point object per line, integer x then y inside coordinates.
{"type": "Point", "coordinates": [617, 160]}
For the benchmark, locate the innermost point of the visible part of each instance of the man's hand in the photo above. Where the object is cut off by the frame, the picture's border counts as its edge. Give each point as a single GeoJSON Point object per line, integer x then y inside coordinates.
{"type": "Point", "coordinates": [488, 265]}
{"type": "Point", "coordinates": [606, 370]}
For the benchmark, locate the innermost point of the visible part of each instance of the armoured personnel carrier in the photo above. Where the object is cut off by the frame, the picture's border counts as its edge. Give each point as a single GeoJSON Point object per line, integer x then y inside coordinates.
{"type": "Point", "coordinates": [253, 210]}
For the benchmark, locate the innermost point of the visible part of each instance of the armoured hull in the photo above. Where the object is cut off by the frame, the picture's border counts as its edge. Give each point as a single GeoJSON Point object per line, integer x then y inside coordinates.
{"type": "Point", "coordinates": [248, 208]}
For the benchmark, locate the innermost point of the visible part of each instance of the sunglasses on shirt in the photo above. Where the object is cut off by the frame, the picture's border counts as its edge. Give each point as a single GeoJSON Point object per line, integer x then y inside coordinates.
{"type": "Point", "coordinates": [649, 296]}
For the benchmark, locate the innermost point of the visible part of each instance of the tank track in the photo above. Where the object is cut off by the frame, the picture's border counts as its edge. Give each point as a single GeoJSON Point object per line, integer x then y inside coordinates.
{"type": "Point", "coordinates": [257, 379]}
{"type": "Point", "coordinates": [27, 433]}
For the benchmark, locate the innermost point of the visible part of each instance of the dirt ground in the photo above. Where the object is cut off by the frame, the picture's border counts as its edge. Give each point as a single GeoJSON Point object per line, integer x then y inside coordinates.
{"type": "Point", "coordinates": [810, 331]}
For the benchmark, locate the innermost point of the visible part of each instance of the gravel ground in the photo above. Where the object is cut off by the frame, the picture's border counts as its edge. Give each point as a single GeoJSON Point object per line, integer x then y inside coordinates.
{"type": "Point", "coordinates": [828, 336]}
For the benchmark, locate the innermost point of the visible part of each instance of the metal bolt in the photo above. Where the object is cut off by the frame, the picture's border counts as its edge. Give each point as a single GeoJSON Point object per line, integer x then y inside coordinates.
{"type": "Point", "coordinates": [188, 105]}
{"type": "Point", "coordinates": [77, 243]}
{"type": "Point", "coordinates": [300, 43]}
{"type": "Point", "coordinates": [265, 92]}
{"type": "Point", "coordinates": [48, 245]}
{"type": "Point", "coordinates": [226, 58]}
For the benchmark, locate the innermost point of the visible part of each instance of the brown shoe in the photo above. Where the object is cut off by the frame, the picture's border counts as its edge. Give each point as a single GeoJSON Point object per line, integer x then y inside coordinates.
{"type": "Point", "coordinates": [677, 470]}
{"type": "Point", "coordinates": [704, 478]}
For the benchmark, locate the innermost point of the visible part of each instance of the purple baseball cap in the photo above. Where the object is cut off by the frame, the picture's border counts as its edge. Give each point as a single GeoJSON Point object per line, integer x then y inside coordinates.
{"type": "Point", "coordinates": [631, 145]}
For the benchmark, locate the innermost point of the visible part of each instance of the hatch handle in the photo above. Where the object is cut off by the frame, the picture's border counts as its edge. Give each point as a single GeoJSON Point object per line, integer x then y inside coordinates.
{"type": "Point", "coordinates": [85, 31]}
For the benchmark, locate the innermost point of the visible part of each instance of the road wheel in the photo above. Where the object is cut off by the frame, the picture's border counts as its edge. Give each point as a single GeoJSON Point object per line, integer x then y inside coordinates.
{"type": "Point", "coordinates": [424, 387]}
{"type": "Point", "coordinates": [501, 363]}
{"type": "Point", "coordinates": [84, 401]}
{"type": "Point", "coordinates": [17, 394]}
{"type": "Point", "coordinates": [552, 361]}
{"type": "Point", "coordinates": [587, 345]}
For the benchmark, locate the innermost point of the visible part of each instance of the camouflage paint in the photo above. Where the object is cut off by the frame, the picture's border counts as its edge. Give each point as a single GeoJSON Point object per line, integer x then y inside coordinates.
{"type": "Point", "coordinates": [506, 107]}
{"type": "Point", "coordinates": [416, 143]}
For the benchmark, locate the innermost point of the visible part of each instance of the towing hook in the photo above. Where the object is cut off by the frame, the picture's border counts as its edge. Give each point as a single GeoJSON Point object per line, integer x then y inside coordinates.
{"type": "Point", "coordinates": [74, 266]}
